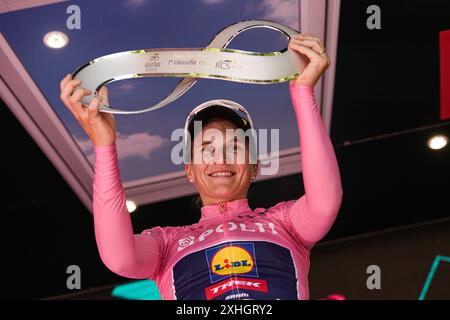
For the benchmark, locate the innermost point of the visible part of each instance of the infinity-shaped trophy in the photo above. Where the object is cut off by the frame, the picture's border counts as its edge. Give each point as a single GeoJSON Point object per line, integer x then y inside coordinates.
{"type": "Point", "coordinates": [214, 62]}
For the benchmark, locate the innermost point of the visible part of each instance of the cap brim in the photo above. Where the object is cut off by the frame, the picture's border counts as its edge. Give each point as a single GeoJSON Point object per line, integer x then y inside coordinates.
{"type": "Point", "coordinates": [217, 111]}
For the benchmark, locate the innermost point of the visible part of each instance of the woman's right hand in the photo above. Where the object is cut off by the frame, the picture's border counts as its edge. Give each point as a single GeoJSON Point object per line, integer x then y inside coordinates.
{"type": "Point", "coordinates": [99, 126]}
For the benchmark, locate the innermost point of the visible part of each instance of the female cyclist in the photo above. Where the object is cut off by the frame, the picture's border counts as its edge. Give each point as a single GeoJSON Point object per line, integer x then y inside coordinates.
{"type": "Point", "coordinates": [233, 252]}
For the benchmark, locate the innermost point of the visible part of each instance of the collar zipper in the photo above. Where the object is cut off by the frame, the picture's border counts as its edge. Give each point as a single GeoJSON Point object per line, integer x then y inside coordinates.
{"type": "Point", "coordinates": [226, 234]}
{"type": "Point", "coordinates": [223, 210]}
{"type": "Point", "coordinates": [222, 206]}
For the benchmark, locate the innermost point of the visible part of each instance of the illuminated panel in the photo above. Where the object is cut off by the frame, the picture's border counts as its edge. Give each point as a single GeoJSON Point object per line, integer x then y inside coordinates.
{"type": "Point", "coordinates": [437, 283]}
{"type": "Point", "coordinates": [137, 290]}
{"type": "Point", "coordinates": [444, 46]}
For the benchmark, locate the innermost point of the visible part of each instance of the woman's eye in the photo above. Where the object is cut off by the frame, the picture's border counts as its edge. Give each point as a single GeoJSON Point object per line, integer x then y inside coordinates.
{"type": "Point", "coordinates": [209, 149]}
{"type": "Point", "coordinates": [234, 148]}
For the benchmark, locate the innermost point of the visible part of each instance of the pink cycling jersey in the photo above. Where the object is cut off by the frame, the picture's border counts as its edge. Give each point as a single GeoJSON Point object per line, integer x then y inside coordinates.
{"type": "Point", "coordinates": [233, 252]}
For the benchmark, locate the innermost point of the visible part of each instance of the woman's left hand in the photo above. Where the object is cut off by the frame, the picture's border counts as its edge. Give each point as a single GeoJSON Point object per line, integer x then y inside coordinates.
{"type": "Point", "coordinates": [312, 48]}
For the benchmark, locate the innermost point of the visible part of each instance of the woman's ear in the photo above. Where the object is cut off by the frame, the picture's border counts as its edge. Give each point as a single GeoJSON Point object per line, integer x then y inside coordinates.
{"type": "Point", "coordinates": [189, 174]}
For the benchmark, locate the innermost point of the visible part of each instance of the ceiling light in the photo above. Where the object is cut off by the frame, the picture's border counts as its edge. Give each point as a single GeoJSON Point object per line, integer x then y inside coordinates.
{"type": "Point", "coordinates": [437, 142]}
{"type": "Point", "coordinates": [131, 206]}
{"type": "Point", "coordinates": [56, 40]}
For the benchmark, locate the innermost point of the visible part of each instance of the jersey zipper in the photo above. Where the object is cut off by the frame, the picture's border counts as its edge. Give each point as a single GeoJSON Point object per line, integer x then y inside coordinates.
{"type": "Point", "coordinates": [223, 210]}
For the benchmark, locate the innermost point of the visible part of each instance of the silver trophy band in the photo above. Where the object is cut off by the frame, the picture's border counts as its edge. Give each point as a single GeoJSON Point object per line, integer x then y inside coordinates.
{"type": "Point", "coordinates": [214, 62]}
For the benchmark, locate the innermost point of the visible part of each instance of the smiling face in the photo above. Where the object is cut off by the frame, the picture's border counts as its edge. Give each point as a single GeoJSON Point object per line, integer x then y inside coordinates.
{"type": "Point", "coordinates": [216, 172]}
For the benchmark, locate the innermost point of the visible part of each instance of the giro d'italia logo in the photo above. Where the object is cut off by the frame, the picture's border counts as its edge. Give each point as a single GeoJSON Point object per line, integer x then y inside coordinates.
{"type": "Point", "coordinates": [235, 259]}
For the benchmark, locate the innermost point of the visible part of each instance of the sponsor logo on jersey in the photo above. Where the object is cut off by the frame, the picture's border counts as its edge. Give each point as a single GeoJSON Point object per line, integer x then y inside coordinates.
{"type": "Point", "coordinates": [216, 272]}
{"type": "Point", "coordinates": [256, 227]}
{"type": "Point", "coordinates": [227, 259]}
{"type": "Point", "coordinates": [235, 284]}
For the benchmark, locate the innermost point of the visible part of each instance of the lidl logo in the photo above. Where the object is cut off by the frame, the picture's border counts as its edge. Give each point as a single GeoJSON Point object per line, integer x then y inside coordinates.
{"type": "Point", "coordinates": [231, 259]}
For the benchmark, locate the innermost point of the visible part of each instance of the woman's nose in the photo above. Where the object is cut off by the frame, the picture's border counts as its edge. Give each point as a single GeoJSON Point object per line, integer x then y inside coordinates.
{"type": "Point", "coordinates": [221, 155]}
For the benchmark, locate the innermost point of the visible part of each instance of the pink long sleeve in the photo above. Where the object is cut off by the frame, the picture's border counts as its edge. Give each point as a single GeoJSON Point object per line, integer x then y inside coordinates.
{"type": "Point", "coordinates": [132, 256]}
{"type": "Point", "coordinates": [314, 213]}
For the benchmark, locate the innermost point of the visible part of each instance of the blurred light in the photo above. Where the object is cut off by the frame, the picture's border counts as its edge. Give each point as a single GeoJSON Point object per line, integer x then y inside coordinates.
{"type": "Point", "coordinates": [56, 40]}
{"type": "Point", "coordinates": [131, 206]}
{"type": "Point", "coordinates": [336, 297]}
{"type": "Point", "coordinates": [137, 290]}
{"type": "Point", "coordinates": [437, 142]}
{"type": "Point", "coordinates": [431, 274]}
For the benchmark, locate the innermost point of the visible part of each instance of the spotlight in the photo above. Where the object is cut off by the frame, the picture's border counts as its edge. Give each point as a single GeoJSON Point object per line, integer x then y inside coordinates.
{"type": "Point", "coordinates": [131, 206]}
{"type": "Point", "coordinates": [56, 40]}
{"type": "Point", "coordinates": [437, 142]}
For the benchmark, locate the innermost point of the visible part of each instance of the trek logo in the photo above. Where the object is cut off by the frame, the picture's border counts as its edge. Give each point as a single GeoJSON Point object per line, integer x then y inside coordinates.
{"type": "Point", "coordinates": [220, 288]}
{"type": "Point", "coordinates": [233, 259]}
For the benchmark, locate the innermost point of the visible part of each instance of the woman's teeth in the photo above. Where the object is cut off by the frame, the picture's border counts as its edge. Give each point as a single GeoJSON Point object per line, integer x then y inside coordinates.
{"type": "Point", "coordinates": [222, 174]}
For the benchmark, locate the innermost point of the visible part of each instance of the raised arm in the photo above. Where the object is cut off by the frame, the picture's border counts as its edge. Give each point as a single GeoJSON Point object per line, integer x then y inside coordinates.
{"type": "Point", "coordinates": [132, 256]}
{"type": "Point", "coordinates": [314, 213]}
{"type": "Point", "coordinates": [129, 255]}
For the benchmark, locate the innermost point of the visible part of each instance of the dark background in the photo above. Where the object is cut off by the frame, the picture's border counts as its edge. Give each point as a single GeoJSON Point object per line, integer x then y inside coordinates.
{"type": "Point", "coordinates": [387, 82]}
